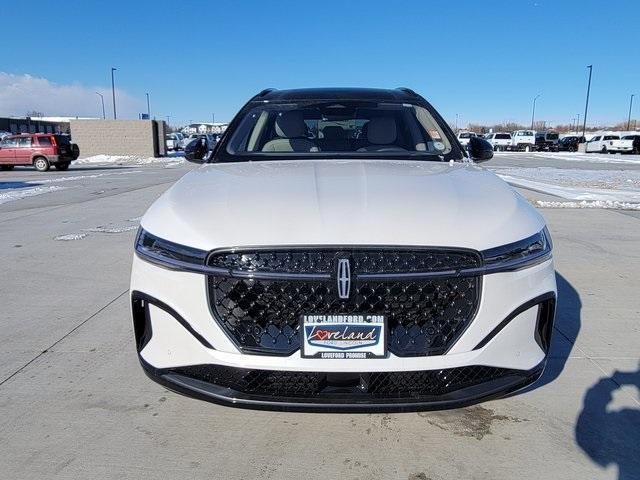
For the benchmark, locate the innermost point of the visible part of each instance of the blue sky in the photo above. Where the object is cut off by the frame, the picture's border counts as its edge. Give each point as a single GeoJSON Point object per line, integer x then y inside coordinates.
{"type": "Point", "coordinates": [482, 60]}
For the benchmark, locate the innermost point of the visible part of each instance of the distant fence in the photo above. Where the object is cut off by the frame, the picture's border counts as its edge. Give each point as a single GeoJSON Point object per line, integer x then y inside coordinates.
{"type": "Point", "coordinates": [143, 138]}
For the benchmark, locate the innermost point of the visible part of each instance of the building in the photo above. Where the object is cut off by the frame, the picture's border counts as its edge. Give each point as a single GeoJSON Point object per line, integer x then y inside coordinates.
{"type": "Point", "coordinates": [204, 127]}
{"type": "Point", "coordinates": [142, 138]}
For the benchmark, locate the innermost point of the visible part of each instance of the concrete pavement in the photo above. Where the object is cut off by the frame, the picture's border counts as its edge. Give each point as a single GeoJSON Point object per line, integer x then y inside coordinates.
{"type": "Point", "coordinates": [75, 404]}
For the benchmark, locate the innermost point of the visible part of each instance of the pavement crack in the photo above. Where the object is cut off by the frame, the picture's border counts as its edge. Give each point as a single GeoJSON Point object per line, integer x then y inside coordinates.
{"type": "Point", "coordinates": [19, 370]}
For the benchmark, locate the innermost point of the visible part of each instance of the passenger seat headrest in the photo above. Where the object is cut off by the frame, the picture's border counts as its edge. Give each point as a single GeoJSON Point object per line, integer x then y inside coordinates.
{"type": "Point", "coordinates": [381, 130]}
{"type": "Point", "coordinates": [291, 124]}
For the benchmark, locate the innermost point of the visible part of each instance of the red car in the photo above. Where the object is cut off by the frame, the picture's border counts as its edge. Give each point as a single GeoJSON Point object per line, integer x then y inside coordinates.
{"type": "Point", "coordinates": [39, 149]}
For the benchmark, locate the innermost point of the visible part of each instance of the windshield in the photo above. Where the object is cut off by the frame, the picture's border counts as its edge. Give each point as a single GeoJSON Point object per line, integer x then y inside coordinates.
{"type": "Point", "coordinates": [340, 128]}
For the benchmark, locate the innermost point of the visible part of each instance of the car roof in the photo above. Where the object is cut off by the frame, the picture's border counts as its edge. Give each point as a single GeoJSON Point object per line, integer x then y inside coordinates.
{"type": "Point", "coordinates": [375, 94]}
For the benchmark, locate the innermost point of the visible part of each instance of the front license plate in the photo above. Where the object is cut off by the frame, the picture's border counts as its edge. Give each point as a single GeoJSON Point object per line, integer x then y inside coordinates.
{"type": "Point", "coordinates": [341, 336]}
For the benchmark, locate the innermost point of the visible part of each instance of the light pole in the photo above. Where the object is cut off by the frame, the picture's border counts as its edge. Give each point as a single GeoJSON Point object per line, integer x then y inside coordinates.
{"type": "Point", "coordinates": [148, 108]}
{"type": "Point", "coordinates": [102, 100]}
{"type": "Point", "coordinates": [533, 113]}
{"type": "Point", "coordinates": [113, 92]}
{"type": "Point", "coordinates": [630, 107]}
{"type": "Point", "coordinates": [586, 105]}
{"type": "Point", "coordinates": [578, 123]}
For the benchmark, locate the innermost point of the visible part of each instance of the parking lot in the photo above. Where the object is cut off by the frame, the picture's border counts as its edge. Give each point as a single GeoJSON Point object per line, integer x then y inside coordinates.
{"type": "Point", "coordinates": [74, 402]}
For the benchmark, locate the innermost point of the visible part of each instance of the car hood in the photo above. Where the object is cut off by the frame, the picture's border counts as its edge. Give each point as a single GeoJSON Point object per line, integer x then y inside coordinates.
{"type": "Point", "coordinates": [341, 202]}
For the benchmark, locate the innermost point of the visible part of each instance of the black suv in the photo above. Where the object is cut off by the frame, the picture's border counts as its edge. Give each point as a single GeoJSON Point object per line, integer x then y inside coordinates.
{"type": "Point", "coordinates": [570, 143]}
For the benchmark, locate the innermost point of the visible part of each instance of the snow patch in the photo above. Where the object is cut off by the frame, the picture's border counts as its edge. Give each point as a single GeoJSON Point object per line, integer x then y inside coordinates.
{"type": "Point", "coordinates": [104, 229]}
{"type": "Point", "coordinates": [605, 204]}
{"type": "Point", "coordinates": [84, 177]}
{"type": "Point", "coordinates": [19, 194]}
{"type": "Point", "coordinates": [70, 237]}
{"type": "Point", "coordinates": [576, 184]}
{"type": "Point", "coordinates": [129, 160]}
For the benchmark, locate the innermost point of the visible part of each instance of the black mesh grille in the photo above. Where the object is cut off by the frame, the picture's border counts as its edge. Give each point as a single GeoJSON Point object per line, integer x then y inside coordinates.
{"type": "Point", "coordinates": [392, 385]}
{"type": "Point", "coordinates": [425, 316]}
{"type": "Point", "coordinates": [364, 260]}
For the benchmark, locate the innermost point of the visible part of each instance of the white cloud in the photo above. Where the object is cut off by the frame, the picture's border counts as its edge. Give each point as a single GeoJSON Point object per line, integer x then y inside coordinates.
{"type": "Point", "coordinates": [20, 94]}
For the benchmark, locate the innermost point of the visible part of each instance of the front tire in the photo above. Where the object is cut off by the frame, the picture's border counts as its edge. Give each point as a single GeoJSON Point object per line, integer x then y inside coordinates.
{"type": "Point", "coordinates": [41, 164]}
{"type": "Point", "coordinates": [62, 166]}
{"type": "Point", "coordinates": [603, 150]}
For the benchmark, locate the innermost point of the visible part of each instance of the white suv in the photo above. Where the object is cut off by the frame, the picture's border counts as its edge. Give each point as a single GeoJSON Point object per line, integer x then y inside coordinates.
{"type": "Point", "coordinates": [340, 251]}
{"type": "Point", "coordinates": [602, 143]}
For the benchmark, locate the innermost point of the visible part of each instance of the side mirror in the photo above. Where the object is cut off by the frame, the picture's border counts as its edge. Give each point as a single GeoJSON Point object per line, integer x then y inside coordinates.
{"type": "Point", "coordinates": [480, 150]}
{"type": "Point", "coordinates": [196, 150]}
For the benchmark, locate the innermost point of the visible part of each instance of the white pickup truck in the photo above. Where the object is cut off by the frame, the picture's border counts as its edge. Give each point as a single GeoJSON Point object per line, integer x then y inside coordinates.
{"type": "Point", "coordinates": [627, 144]}
{"type": "Point", "coordinates": [500, 141]}
{"type": "Point", "coordinates": [464, 137]}
{"type": "Point", "coordinates": [523, 140]}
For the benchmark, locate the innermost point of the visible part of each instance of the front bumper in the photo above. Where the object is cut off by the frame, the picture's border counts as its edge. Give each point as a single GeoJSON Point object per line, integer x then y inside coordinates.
{"type": "Point", "coordinates": [320, 391]}
{"type": "Point", "coordinates": [181, 346]}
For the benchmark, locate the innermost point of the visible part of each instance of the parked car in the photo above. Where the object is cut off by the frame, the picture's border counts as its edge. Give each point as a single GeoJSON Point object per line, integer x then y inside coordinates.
{"type": "Point", "coordinates": [172, 141]}
{"type": "Point", "coordinates": [627, 144]}
{"type": "Point", "coordinates": [500, 141]}
{"type": "Point", "coordinates": [547, 141]}
{"type": "Point", "coordinates": [523, 140]}
{"type": "Point", "coordinates": [40, 150]}
{"type": "Point", "coordinates": [464, 137]}
{"type": "Point", "coordinates": [601, 143]}
{"type": "Point", "coordinates": [286, 275]}
{"type": "Point", "coordinates": [570, 143]}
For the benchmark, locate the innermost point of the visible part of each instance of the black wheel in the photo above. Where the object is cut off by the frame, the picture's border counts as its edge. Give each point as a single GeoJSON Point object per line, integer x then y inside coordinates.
{"type": "Point", "coordinates": [62, 166]}
{"type": "Point", "coordinates": [41, 164]}
{"type": "Point", "coordinates": [75, 151]}
{"type": "Point", "coordinates": [6, 167]}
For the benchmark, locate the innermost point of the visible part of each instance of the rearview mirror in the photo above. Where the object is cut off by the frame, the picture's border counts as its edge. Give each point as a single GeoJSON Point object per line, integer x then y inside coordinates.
{"type": "Point", "coordinates": [480, 150]}
{"type": "Point", "coordinates": [196, 150]}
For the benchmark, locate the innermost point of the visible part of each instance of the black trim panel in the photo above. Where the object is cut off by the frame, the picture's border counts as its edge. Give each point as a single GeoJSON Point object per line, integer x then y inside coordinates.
{"type": "Point", "coordinates": [522, 308]}
{"type": "Point", "coordinates": [136, 295]}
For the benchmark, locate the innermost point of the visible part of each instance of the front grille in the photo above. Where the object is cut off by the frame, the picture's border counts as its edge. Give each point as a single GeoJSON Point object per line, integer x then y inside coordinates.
{"type": "Point", "coordinates": [318, 385]}
{"type": "Point", "coordinates": [425, 315]}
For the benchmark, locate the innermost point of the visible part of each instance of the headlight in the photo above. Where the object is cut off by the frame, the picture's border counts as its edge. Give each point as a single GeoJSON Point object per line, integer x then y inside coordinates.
{"type": "Point", "coordinates": [524, 253]}
{"type": "Point", "coordinates": [168, 254]}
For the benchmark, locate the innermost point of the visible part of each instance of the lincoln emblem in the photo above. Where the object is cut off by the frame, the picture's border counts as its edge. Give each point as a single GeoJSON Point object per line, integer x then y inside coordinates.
{"type": "Point", "coordinates": [344, 278]}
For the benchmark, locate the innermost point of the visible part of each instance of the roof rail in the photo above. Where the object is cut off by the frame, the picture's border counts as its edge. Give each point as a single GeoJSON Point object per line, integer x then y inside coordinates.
{"type": "Point", "coordinates": [264, 92]}
{"type": "Point", "coordinates": [408, 91]}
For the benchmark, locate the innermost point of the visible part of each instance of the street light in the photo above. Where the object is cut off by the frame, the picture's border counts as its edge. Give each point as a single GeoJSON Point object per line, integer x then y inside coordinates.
{"type": "Point", "coordinates": [630, 106]}
{"type": "Point", "coordinates": [533, 113]}
{"type": "Point", "coordinates": [148, 108]}
{"type": "Point", "coordinates": [102, 100]}
{"type": "Point", "coordinates": [113, 92]}
{"type": "Point", "coordinates": [586, 105]}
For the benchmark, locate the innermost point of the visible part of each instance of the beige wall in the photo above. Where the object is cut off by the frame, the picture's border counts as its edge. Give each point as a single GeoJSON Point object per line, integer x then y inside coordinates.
{"type": "Point", "coordinates": [117, 137]}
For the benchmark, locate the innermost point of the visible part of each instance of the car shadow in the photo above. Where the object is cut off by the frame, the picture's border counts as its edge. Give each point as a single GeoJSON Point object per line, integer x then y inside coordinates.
{"type": "Point", "coordinates": [610, 436]}
{"type": "Point", "coordinates": [17, 185]}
